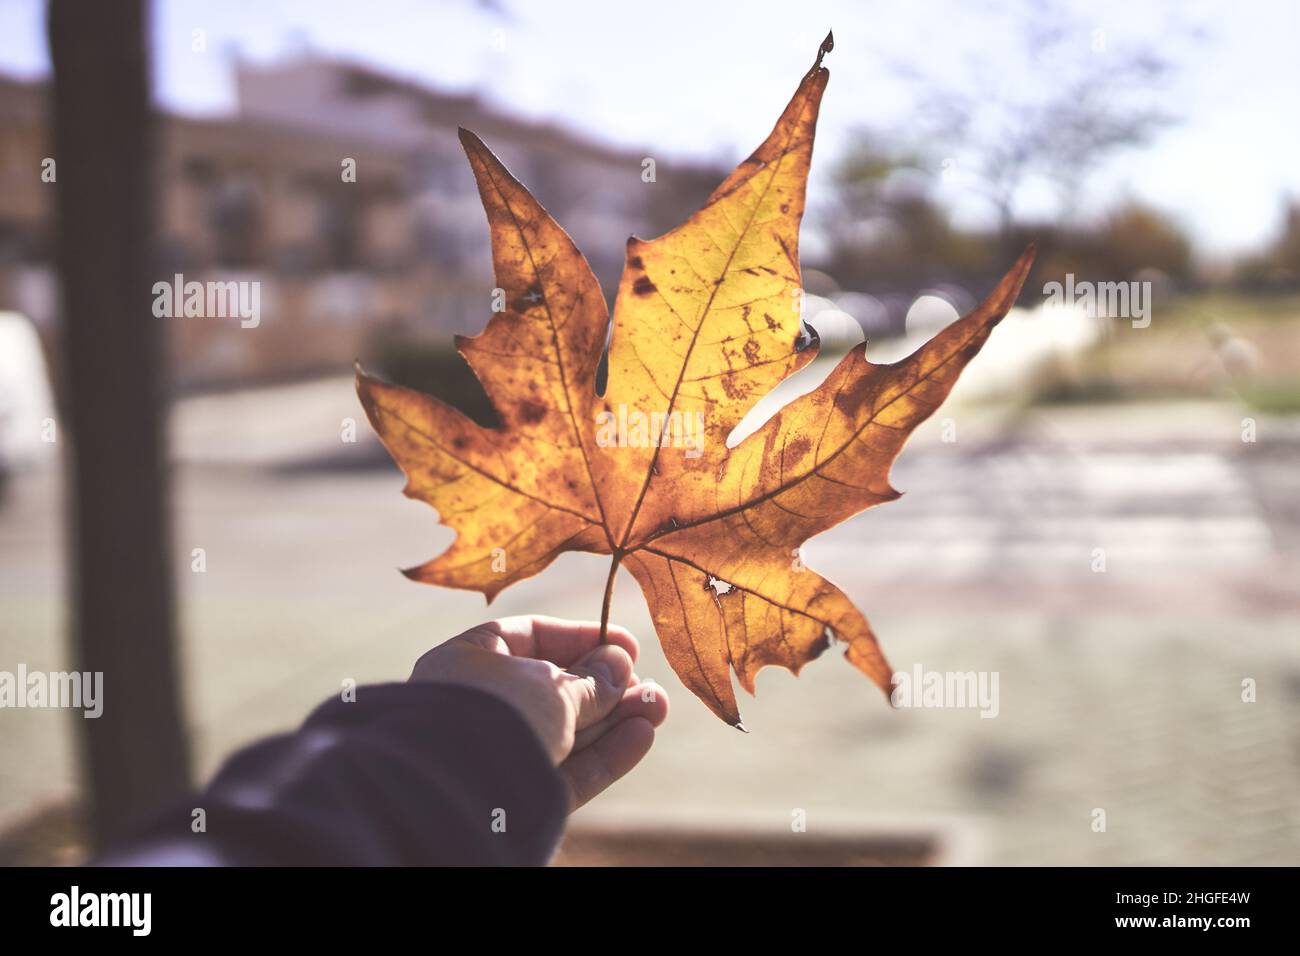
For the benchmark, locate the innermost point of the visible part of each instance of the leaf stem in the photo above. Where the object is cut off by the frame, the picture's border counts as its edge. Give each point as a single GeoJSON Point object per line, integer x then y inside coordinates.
{"type": "Point", "coordinates": [609, 595]}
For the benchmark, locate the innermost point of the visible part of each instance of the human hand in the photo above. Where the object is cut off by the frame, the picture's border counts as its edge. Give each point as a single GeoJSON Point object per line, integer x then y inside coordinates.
{"type": "Point", "coordinates": [582, 698]}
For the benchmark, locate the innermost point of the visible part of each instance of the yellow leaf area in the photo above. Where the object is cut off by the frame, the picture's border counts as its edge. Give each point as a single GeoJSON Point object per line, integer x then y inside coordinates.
{"type": "Point", "coordinates": [706, 323]}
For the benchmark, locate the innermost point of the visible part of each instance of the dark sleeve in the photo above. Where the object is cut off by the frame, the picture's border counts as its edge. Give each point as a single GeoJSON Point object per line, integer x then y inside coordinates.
{"type": "Point", "coordinates": [426, 774]}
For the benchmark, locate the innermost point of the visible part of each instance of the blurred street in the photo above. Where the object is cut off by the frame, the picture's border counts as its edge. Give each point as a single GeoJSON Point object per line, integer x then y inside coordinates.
{"type": "Point", "coordinates": [1120, 689]}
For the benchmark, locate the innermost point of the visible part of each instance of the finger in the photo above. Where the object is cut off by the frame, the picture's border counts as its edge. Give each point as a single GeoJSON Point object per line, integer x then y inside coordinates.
{"type": "Point", "coordinates": [483, 636]}
{"type": "Point", "coordinates": [595, 683]}
{"type": "Point", "coordinates": [639, 700]}
{"type": "Point", "coordinates": [554, 639]}
{"type": "Point", "coordinates": [590, 771]}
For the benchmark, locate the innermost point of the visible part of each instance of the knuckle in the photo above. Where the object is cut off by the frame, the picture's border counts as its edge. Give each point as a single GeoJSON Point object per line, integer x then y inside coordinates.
{"type": "Point", "coordinates": [542, 673]}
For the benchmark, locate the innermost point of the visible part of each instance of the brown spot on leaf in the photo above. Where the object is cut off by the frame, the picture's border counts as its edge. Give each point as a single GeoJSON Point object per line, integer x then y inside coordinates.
{"type": "Point", "coordinates": [530, 413]}
{"type": "Point", "coordinates": [731, 384]}
{"type": "Point", "coordinates": [643, 286]}
{"type": "Point", "coordinates": [852, 397]}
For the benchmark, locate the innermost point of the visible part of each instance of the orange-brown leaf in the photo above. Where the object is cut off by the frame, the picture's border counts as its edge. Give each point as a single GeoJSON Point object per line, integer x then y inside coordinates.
{"type": "Point", "coordinates": [706, 323]}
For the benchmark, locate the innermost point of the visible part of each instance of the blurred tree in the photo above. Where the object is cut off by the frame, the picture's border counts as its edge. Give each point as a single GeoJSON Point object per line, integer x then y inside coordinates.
{"type": "Point", "coordinates": [1133, 242]}
{"type": "Point", "coordinates": [135, 754]}
{"type": "Point", "coordinates": [1136, 237]}
{"type": "Point", "coordinates": [1287, 249]}
{"type": "Point", "coordinates": [886, 228]}
{"type": "Point", "coordinates": [1276, 267]}
{"type": "Point", "coordinates": [1002, 131]}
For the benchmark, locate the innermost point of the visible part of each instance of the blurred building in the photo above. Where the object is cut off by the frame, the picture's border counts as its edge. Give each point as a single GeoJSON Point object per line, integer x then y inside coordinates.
{"type": "Point", "coordinates": [262, 196]}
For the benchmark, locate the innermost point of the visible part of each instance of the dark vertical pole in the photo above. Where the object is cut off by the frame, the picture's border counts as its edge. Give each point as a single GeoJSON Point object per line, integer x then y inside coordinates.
{"type": "Point", "coordinates": [135, 756]}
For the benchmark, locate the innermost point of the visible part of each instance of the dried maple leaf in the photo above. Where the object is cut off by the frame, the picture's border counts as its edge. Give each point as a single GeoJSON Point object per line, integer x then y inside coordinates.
{"type": "Point", "coordinates": [706, 323]}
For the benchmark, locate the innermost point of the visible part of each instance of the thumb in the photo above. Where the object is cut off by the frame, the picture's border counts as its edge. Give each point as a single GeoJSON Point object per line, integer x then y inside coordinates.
{"type": "Point", "coordinates": [597, 681]}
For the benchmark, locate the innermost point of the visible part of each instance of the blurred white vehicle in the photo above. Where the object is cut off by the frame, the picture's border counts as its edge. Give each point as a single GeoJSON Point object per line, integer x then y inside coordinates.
{"type": "Point", "coordinates": [28, 427]}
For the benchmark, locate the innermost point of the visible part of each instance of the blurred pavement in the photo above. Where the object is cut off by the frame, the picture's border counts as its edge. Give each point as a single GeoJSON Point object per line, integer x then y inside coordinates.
{"type": "Point", "coordinates": [1120, 690]}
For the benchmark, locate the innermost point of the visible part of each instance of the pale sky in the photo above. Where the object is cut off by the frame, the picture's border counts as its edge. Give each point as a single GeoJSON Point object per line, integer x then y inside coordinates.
{"type": "Point", "coordinates": [690, 78]}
